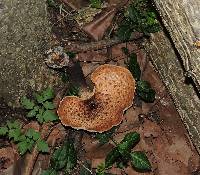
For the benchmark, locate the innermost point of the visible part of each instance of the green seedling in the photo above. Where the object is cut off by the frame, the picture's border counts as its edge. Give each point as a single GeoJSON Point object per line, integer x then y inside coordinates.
{"type": "Point", "coordinates": [41, 107]}
{"type": "Point", "coordinates": [122, 154]}
{"type": "Point", "coordinates": [105, 136]}
{"type": "Point", "coordinates": [138, 17]}
{"type": "Point", "coordinates": [63, 158]}
{"type": "Point", "coordinates": [25, 140]}
{"type": "Point", "coordinates": [143, 88]}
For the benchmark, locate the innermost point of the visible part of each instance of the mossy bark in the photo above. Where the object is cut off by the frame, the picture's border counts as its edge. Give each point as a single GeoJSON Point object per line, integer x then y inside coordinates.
{"type": "Point", "coordinates": [25, 35]}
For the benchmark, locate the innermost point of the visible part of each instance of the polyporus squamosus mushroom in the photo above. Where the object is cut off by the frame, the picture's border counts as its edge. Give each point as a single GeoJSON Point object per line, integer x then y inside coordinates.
{"type": "Point", "coordinates": [113, 93]}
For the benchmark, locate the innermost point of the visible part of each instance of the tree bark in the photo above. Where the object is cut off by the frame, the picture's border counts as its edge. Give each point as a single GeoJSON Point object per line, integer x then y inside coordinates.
{"type": "Point", "coordinates": [25, 35]}
{"type": "Point", "coordinates": [182, 20]}
{"type": "Point", "coordinates": [168, 65]}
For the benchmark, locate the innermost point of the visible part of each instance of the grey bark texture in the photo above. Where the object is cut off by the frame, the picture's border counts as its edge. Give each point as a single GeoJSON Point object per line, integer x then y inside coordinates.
{"type": "Point", "coordinates": [182, 20]}
{"type": "Point", "coordinates": [171, 72]}
{"type": "Point", "coordinates": [24, 38]}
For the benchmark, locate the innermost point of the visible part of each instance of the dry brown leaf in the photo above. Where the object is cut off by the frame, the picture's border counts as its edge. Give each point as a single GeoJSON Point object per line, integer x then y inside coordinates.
{"type": "Point", "coordinates": [57, 135]}
{"type": "Point", "coordinates": [7, 157]}
{"type": "Point", "coordinates": [97, 28]}
{"type": "Point", "coordinates": [34, 125]}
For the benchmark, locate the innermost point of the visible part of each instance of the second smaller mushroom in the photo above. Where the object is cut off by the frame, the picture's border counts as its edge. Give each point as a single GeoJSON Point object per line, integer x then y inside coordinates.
{"type": "Point", "coordinates": [113, 93]}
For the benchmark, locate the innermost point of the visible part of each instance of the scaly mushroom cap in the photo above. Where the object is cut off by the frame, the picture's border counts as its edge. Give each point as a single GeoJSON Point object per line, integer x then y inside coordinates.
{"type": "Point", "coordinates": [114, 88]}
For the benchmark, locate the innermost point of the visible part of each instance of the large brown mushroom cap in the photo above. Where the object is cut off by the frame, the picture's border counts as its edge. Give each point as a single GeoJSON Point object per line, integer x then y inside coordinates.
{"type": "Point", "coordinates": [114, 88]}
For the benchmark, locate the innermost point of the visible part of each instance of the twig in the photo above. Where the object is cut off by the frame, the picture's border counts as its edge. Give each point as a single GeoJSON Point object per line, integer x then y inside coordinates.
{"type": "Point", "coordinates": [97, 45]}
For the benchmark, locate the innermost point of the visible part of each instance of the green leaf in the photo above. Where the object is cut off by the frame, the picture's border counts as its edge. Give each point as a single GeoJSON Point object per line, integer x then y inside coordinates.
{"type": "Point", "coordinates": [101, 169]}
{"type": "Point", "coordinates": [21, 138]}
{"type": "Point", "coordinates": [134, 67]}
{"type": "Point", "coordinates": [111, 158]}
{"type": "Point", "coordinates": [140, 161]}
{"type": "Point", "coordinates": [27, 103]}
{"type": "Point", "coordinates": [13, 125]}
{"type": "Point", "coordinates": [49, 116]}
{"type": "Point", "coordinates": [64, 77]}
{"type": "Point", "coordinates": [145, 92]}
{"type": "Point", "coordinates": [124, 32]}
{"type": "Point", "coordinates": [95, 3]}
{"type": "Point", "coordinates": [138, 17]}
{"type": "Point", "coordinates": [32, 134]}
{"type": "Point", "coordinates": [30, 143]}
{"type": "Point", "coordinates": [130, 140]}
{"type": "Point", "coordinates": [42, 146]}
{"type": "Point", "coordinates": [39, 116]}
{"type": "Point", "coordinates": [33, 112]}
{"type": "Point", "coordinates": [122, 150]}
{"type": "Point", "coordinates": [3, 130]}
{"type": "Point", "coordinates": [73, 91]}
{"type": "Point", "coordinates": [71, 157]}
{"type": "Point", "coordinates": [48, 94]}
{"type": "Point", "coordinates": [64, 157]}
{"type": "Point", "coordinates": [50, 172]}
{"type": "Point", "coordinates": [49, 105]}
{"type": "Point", "coordinates": [58, 159]}
{"type": "Point", "coordinates": [14, 133]}
{"type": "Point", "coordinates": [105, 136]}
{"type": "Point", "coordinates": [121, 164]}
{"type": "Point", "coordinates": [39, 98]}
{"type": "Point", "coordinates": [22, 147]}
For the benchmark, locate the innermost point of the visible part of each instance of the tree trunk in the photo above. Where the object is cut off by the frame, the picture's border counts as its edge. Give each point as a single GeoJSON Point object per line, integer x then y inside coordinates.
{"type": "Point", "coordinates": [168, 65]}
{"type": "Point", "coordinates": [182, 20]}
{"type": "Point", "coordinates": [25, 35]}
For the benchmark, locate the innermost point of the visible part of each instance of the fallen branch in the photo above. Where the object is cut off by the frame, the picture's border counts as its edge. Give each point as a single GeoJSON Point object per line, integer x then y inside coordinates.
{"type": "Point", "coordinates": [97, 45]}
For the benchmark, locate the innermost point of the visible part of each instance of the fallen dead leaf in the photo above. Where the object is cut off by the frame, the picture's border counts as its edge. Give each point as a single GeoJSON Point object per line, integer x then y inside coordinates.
{"type": "Point", "coordinates": [57, 135]}
{"type": "Point", "coordinates": [7, 157]}
{"type": "Point", "coordinates": [97, 28]}
{"type": "Point", "coordinates": [34, 125]}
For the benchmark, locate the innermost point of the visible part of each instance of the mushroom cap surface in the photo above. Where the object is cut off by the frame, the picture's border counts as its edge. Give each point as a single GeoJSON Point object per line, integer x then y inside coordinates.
{"type": "Point", "coordinates": [113, 93]}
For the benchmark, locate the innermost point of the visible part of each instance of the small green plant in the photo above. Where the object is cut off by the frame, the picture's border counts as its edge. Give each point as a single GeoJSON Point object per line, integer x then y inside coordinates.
{"type": "Point", "coordinates": [96, 4]}
{"type": "Point", "coordinates": [73, 90]}
{"type": "Point", "coordinates": [25, 140]}
{"type": "Point", "coordinates": [140, 17]}
{"type": "Point", "coordinates": [42, 107]}
{"type": "Point", "coordinates": [143, 88]}
{"type": "Point", "coordinates": [145, 92]}
{"type": "Point", "coordinates": [104, 137]}
{"type": "Point", "coordinates": [122, 154]}
{"type": "Point", "coordinates": [63, 158]}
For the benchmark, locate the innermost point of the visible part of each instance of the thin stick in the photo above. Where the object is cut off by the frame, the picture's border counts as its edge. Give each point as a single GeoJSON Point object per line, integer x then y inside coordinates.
{"type": "Point", "coordinates": [97, 45]}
